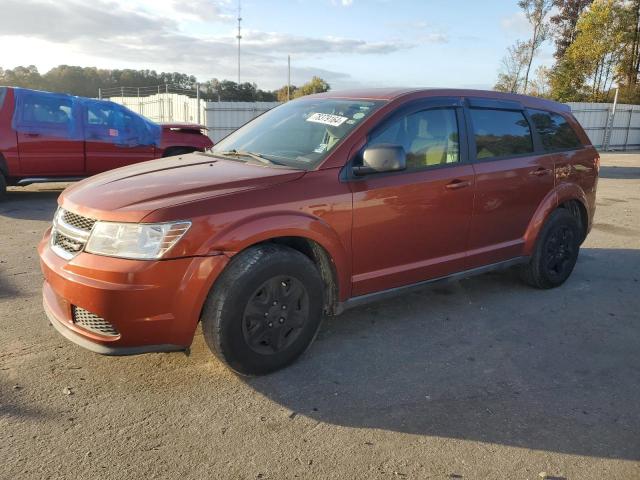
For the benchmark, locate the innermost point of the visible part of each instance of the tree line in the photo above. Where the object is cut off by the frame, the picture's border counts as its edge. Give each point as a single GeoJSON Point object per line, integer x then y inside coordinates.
{"type": "Point", "coordinates": [87, 81]}
{"type": "Point", "coordinates": [597, 47]}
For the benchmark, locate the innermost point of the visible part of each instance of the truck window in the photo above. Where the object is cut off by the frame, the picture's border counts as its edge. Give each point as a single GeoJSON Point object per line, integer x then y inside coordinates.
{"type": "Point", "coordinates": [45, 113]}
{"type": "Point", "coordinates": [111, 122]}
{"type": "Point", "coordinates": [500, 133]}
{"type": "Point", "coordinates": [554, 130]}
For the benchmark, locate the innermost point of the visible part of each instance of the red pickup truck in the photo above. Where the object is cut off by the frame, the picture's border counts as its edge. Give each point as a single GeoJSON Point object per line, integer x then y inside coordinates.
{"type": "Point", "coordinates": [51, 137]}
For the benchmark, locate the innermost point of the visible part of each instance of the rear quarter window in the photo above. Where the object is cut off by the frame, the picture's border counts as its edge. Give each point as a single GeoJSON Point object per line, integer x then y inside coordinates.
{"type": "Point", "coordinates": [500, 133]}
{"type": "Point", "coordinates": [554, 130]}
{"type": "Point", "coordinates": [3, 94]}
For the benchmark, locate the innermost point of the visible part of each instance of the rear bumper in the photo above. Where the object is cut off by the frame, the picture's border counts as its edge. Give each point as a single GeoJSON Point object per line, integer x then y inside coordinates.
{"type": "Point", "coordinates": [153, 305]}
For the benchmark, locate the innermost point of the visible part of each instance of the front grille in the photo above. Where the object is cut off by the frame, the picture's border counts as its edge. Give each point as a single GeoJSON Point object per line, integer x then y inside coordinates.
{"type": "Point", "coordinates": [70, 233]}
{"type": "Point", "coordinates": [77, 221]}
{"type": "Point", "coordinates": [92, 322]}
{"type": "Point", "coordinates": [69, 245]}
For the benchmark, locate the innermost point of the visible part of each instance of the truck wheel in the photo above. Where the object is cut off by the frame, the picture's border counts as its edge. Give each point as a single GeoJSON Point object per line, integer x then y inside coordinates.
{"type": "Point", "coordinates": [264, 310]}
{"type": "Point", "coordinates": [555, 253]}
{"type": "Point", "coordinates": [3, 187]}
{"type": "Point", "coordinates": [175, 151]}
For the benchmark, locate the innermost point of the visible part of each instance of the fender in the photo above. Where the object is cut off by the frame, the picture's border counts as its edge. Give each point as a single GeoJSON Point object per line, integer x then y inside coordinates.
{"type": "Point", "coordinates": [263, 227]}
{"type": "Point", "coordinates": [560, 194]}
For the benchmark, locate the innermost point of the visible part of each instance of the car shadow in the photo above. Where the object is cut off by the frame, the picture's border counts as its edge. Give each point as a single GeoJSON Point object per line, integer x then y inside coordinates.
{"type": "Point", "coordinates": [38, 204]}
{"type": "Point", "coordinates": [486, 359]}
{"type": "Point", "coordinates": [11, 405]}
{"type": "Point", "coordinates": [619, 173]}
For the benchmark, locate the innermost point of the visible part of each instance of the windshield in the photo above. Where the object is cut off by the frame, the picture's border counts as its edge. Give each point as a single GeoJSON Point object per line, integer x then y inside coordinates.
{"type": "Point", "coordinates": [298, 134]}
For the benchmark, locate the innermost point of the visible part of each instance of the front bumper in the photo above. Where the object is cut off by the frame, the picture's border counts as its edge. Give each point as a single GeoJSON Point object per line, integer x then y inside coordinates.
{"type": "Point", "coordinates": [154, 305]}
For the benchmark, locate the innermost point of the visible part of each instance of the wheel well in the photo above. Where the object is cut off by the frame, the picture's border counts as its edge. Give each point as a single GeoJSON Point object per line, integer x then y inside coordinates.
{"type": "Point", "coordinates": [3, 167]}
{"type": "Point", "coordinates": [578, 210]}
{"type": "Point", "coordinates": [323, 261]}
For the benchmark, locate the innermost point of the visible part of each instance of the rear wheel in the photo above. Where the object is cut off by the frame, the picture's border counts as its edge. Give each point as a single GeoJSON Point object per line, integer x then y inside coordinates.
{"type": "Point", "coordinates": [264, 310]}
{"type": "Point", "coordinates": [556, 251]}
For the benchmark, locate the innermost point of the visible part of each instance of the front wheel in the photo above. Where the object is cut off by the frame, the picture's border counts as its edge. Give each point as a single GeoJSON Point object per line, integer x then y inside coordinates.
{"type": "Point", "coordinates": [264, 310]}
{"type": "Point", "coordinates": [556, 251]}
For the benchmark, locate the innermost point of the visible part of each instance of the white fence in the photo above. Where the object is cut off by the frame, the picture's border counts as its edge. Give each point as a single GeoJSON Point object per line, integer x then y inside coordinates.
{"type": "Point", "coordinates": [222, 118]}
{"type": "Point", "coordinates": [165, 107]}
{"type": "Point", "coordinates": [599, 122]}
{"type": "Point", "coordinates": [606, 129]}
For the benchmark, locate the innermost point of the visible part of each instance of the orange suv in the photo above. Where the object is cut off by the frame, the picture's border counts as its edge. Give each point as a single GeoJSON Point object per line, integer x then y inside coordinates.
{"type": "Point", "coordinates": [318, 205]}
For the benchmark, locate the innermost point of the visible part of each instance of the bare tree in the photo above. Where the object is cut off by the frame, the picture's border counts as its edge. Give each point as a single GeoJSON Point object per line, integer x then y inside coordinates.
{"type": "Point", "coordinates": [513, 65]}
{"type": "Point", "coordinates": [536, 12]}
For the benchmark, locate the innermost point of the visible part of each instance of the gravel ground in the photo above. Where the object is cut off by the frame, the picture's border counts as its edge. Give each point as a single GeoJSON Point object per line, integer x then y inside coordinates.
{"type": "Point", "coordinates": [479, 379]}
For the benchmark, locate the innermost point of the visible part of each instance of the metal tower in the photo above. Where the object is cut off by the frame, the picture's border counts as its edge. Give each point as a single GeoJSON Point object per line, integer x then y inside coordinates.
{"type": "Point", "coordinates": [239, 37]}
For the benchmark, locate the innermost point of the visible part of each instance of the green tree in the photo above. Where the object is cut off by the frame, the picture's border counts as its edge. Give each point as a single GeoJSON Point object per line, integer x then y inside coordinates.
{"type": "Point", "coordinates": [565, 23]}
{"type": "Point", "coordinates": [286, 93]}
{"type": "Point", "coordinates": [629, 67]}
{"type": "Point", "coordinates": [597, 49]}
{"type": "Point", "coordinates": [315, 85]}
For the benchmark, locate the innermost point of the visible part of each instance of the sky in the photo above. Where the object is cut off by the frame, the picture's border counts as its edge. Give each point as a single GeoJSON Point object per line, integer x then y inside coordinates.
{"type": "Point", "coordinates": [349, 43]}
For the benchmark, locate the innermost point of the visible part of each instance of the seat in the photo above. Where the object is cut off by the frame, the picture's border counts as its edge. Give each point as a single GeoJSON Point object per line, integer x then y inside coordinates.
{"type": "Point", "coordinates": [429, 144]}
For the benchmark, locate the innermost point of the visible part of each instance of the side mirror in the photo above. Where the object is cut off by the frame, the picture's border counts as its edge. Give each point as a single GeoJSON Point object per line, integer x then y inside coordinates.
{"type": "Point", "coordinates": [382, 158]}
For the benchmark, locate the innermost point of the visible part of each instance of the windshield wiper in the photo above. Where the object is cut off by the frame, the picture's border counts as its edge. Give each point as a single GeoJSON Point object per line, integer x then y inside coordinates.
{"type": "Point", "coordinates": [241, 153]}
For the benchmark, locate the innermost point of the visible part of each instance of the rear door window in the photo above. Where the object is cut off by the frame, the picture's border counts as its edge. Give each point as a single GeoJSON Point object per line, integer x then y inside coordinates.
{"type": "Point", "coordinates": [554, 130]}
{"type": "Point", "coordinates": [45, 113]}
{"type": "Point", "coordinates": [500, 133]}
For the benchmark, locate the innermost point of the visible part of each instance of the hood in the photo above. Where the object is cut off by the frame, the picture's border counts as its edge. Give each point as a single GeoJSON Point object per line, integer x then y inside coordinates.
{"type": "Point", "coordinates": [130, 193]}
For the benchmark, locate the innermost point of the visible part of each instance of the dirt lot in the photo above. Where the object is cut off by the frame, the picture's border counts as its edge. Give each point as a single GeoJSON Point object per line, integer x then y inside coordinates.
{"type": "Point", "coordinates": [484, 378]}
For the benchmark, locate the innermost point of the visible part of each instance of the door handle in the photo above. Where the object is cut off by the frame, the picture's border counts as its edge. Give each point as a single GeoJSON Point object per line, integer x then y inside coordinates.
{"type": "Point", "coordinates": [457, 184]}
{"type": "Point", "coordinates": [540, 172]}
{"type": "Point", "coordinates": [33, 135]}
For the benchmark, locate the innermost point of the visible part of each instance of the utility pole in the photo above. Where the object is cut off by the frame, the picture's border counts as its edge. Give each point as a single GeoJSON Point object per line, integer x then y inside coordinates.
{"type": "Point", "coordinates": [289, 78]}
{"type": "Point", "coordinates": [608, 129]}
{"type": "Point", "coordinates": [239, 37]}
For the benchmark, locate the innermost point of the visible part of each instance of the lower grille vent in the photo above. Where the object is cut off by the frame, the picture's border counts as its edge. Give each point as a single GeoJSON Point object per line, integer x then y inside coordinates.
{"type": "Point", "coordinates": [92, 322]}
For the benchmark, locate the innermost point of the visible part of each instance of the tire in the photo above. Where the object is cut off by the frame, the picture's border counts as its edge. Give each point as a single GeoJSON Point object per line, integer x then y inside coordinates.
{"type": "Point", "coordinates": [175, 151]}
{"type": "Point", "coordinates": [3, 187]}
{"type": "Point", "coordinates": [556, 251]}
{"type": "Point", "coordinates": [264, 310]}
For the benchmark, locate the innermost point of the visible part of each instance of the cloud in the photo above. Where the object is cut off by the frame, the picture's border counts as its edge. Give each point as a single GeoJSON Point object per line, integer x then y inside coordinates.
{"type": "Point", "coordinates": [516, 23]}
{"type": "Point", "coordinates": [68, 21]}
{"type": "Point", "coordinates": [206, 10]}
{"type": "Point", "coordinates": [118, 32]}
{"type": "Point", "coordinates": [342, 3]}
{"type": "Point", "coordinates": [280, 42]}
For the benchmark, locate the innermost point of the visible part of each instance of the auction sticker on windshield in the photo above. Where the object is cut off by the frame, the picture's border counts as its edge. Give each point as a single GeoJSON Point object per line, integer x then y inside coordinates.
{"type": "Point", "coordinates": [327, 119]}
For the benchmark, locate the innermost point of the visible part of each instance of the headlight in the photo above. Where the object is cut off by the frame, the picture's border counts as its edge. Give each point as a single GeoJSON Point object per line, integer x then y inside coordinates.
{"type": "Point", "coordinates": [143, 241]}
